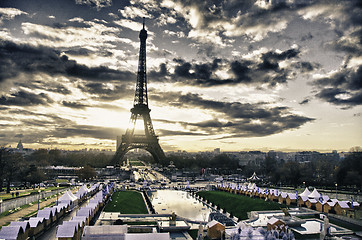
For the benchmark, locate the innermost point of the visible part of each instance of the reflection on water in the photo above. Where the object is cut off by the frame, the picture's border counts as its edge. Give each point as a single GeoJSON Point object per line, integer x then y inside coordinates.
{"type": "Point", "coordinates": [182, 203]}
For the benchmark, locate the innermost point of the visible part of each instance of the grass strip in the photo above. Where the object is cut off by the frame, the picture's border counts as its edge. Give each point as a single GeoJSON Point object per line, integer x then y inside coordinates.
{"type": "Point", "coordinates": [239, 205]}
{"type": "Point", "coordinates": [126, 202]}
{"type": "Point", "coordinates": [8, 196]}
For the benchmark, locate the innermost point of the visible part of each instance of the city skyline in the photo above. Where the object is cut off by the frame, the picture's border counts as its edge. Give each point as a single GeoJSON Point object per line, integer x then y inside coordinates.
{"type": "Point", "coordinates": [257, 75]}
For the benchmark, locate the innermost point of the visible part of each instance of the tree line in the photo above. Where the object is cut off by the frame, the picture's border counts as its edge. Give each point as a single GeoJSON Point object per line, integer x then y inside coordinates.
{"type": "Point", "coordinates": [319, 172]}
{"type": "Point", "coordinates": [14, 167]}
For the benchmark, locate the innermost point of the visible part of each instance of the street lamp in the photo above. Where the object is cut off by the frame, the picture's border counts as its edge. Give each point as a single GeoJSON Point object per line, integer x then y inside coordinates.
{"type": "Point", "coordinates": [57, 195]}
{"type": "Point", "coordinates": [336, 189]}
{"type": "Point", "coordinates": [38, 198]}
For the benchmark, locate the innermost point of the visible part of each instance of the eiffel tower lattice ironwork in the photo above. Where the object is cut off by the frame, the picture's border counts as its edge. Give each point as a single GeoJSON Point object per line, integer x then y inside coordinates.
{"type": "Point", "coordinates": [148, 141]}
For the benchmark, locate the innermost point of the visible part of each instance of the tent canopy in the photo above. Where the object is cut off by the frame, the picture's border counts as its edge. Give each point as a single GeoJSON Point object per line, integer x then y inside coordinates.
{"type": "Point", "coordinates": [305, 193]}
{"type": "Point", "coordinates": [67, 197]}
{"type": "Point", "coordinates": [254, 177]}
{"type": "Point", "coordinates": [315, 194]}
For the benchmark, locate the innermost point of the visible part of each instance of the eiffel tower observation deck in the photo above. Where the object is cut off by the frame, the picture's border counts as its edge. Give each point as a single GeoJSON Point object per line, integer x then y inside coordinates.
{"type": "Point", "coordinates": [147, 141]}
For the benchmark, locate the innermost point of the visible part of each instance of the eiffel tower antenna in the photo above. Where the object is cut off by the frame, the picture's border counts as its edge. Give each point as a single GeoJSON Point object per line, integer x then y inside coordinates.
{"type": "Point", "coordinates": [130, 140]}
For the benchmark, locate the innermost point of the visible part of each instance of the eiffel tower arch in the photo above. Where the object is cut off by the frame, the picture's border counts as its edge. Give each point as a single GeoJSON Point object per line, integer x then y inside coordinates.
{"type": "Point", "coordinates": [149, 140]}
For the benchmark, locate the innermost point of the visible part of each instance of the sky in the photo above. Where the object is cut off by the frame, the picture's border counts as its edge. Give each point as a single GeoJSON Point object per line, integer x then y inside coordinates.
{"type": "Point", "coordinates": [282, 75]}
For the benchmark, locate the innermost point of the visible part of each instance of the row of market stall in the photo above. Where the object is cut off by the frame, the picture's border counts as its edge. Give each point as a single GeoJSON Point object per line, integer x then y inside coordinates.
{"type": "Point", "coordinates": [313, 200]}
{"type": "Point", "coordinates": [47, 217]}
{"type": "Point", "coordinates": [73, 229]}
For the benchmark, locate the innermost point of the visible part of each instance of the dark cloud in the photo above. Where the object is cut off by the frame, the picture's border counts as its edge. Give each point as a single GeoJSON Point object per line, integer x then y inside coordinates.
{"type": "Point", "coordinates": [242, 119]}
{"type": "Point", "coordinates": [243, 15]}
{"type": "Point", "coordinates": [47, 85]}
{"type": "Point", "coordinates": [305, 67]}
{"type": "Point", "coordinates": [261, 70]}
{"type": "Point", "coordinates": [74, 105]}
{"type": "Point", "coordinates": [24, 98]}
{"type": "Point", "coordinates": [305, 101]}
{"type": "Point", "coordinates": [97, 4]}
{"type": "Point", "coordinates": [270, 59]}
{"type": "Point", "coordinates": [165, 132]}
{"type": "Point", "coordinates": [339, 97]}
{"type": "Point", "coordinates": [79, 52]}
{"type": "Point", "coordinates": [350, 43]}
{"type": "Point", "coordinates": [341, 88]}
{"type": "Point", "coordinates": [107, 93]}
{"type": "Point", "coordinates": [16, 58]}
{"type": "Point", "coordinates": [160, 74]}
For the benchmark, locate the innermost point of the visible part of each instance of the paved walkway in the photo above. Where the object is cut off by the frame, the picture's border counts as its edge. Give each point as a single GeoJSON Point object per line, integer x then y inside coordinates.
{"type": "Point", "coordinates": [23, 212]}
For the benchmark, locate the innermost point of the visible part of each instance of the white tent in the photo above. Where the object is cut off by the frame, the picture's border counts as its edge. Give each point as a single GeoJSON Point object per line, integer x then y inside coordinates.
{"type": "Point", "coordinates": [84, 188]}
{"type": "Point", "coordinates": [82, 191]}
{"type": "Point", "coordinates": [315, 194]}
{"type": "Point", "coordinates": [253, 177]}
{"type": "Point", "coordinates": [305, 193]}
{"type": "Point", "coordinates": [67, 197]}
{"type": "Point", "coordinates": [71, 194]}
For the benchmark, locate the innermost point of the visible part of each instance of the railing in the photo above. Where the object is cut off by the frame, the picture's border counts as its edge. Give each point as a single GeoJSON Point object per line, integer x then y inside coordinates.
{"type": "Point", "coordinates": [18, 202]}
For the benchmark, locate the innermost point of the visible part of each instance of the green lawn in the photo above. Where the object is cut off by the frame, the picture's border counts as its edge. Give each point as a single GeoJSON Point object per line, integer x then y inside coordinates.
{"type": "Point", "coordinates": [136, 163]}
{"type": "Point", "coordinates": [126, 202]}
{"type": "Point", "coordinates": [239, 205]}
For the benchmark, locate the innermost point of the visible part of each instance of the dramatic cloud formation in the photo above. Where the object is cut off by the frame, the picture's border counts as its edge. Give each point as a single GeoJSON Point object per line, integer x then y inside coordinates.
{"type": "Point", "coordinates": [23, 98]}
{"type": "Point", "coordinates": [342, 88]}
{"type": "Point", "coordinates": [268, 74]}
{"type": "Point", "coordinates": [25, 58]}
{"type": "Point", "coordinates": [239, 119]}
{"type": "Point", "coordinates": [98, 4]}
{"type": "Point", "coordinates": [263, 69]}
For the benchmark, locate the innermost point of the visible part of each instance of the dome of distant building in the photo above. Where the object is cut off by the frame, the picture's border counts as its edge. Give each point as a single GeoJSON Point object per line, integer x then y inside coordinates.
{"type": "Point", "coordinates": [20, 145]}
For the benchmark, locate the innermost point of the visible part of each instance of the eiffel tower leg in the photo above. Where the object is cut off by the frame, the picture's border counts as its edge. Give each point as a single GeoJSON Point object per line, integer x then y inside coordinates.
{"type": "Point", "coordinates": [118, 157]}
{"type": "Point", "coordinates": [156, 152]}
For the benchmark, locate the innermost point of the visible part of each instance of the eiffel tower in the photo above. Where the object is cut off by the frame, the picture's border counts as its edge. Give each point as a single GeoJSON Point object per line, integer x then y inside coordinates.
{"type": "Point", "coordinates": [148, 141]}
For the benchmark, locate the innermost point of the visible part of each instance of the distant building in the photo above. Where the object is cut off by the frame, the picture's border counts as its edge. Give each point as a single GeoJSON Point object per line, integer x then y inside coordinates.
{"type": "Point", "coordinates": [308, 156]}
{"type": "Point", "coordinates": [61, 172]}
{"type": "Point", "coordinates": [20, 146]}
{"type": "Point", "coordinates": [281, 156]}
{"type": "Point", "coordinates": [255, 157]}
